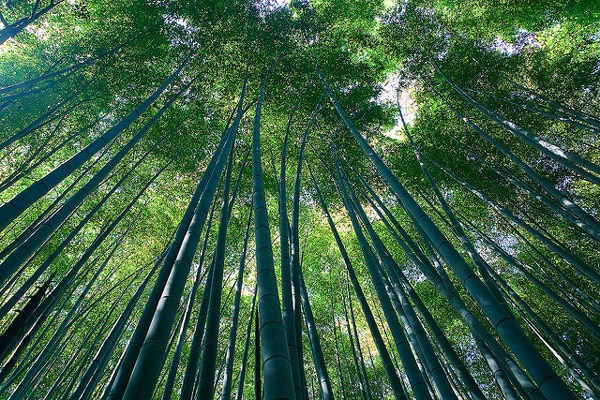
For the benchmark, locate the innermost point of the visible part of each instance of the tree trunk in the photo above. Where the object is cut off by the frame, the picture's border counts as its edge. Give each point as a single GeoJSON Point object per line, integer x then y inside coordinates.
{"type": "Point", "coordinates": [13, 208]}
{"type": "Point", "coordinates": [277, 369]}
{"type": "Point", "coordinates": [550, 384]}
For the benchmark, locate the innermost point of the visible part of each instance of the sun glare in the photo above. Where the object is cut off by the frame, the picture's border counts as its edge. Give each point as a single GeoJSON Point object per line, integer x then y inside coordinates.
{"type": "Point", "coordinates": [390, 95]}
{"type": "Point", "coordinates": [266, 7]}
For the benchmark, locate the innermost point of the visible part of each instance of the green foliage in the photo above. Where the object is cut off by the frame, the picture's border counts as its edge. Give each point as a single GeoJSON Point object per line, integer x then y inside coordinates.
{"type": "Point", "coordinates": [534, 63]}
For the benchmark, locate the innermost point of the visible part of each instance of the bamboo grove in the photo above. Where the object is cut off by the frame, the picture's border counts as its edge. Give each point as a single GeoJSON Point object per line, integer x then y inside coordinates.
{"type": "Point", "coordinates": [315, 199]}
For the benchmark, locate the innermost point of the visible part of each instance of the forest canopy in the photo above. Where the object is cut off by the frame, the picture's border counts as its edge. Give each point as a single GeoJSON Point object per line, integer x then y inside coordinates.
{"type": "Point", "coordinates": [299, 199]}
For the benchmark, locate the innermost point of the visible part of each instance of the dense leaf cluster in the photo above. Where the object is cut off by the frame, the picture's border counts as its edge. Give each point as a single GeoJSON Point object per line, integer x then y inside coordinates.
{"type": "Point", "coordinates": [381, 199]}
